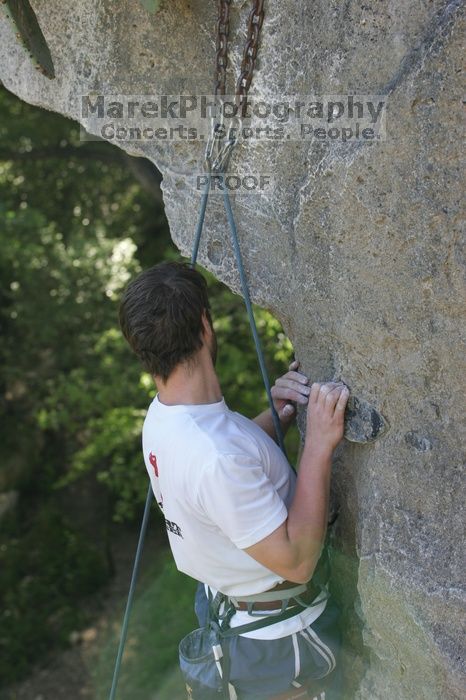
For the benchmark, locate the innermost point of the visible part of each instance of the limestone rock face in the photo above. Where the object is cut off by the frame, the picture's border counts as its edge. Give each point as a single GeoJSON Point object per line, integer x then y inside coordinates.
{"type": "Point", "coordinates": [355, 247]}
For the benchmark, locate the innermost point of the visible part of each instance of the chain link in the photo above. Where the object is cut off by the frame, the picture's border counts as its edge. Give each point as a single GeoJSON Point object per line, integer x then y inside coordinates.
{"type": "Point", "coordinates": [223, 30]}
{"type": "Point", "coordinates": [255, 21]}
{"type": "Point", "coordinates": [221, 140]}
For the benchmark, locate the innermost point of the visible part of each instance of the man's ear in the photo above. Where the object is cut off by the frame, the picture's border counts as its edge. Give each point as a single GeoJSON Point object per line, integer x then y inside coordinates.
{"type": "Point", "coordinates": [206, 327]}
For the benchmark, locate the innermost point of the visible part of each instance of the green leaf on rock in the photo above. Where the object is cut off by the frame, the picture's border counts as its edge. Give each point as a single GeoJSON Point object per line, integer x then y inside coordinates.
{"type": "Point", "coordinates": [151, 5]}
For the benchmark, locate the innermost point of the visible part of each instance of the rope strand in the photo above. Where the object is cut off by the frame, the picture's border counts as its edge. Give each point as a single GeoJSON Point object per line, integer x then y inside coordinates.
{"type": "Point", "coordinates": [132, 588]}
{"type": "Point", "coordinates": [250, 312]}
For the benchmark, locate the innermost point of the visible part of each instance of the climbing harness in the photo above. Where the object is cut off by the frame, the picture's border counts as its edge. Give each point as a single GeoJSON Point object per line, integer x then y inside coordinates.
{"type": "Point", "coordinates": [204, 659]}
{"type": "Point", "coordinates": [204, 653]}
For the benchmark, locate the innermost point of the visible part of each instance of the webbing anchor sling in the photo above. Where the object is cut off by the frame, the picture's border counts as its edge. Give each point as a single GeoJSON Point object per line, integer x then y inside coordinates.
{"type": "Point", "coordinates": [218, 152]}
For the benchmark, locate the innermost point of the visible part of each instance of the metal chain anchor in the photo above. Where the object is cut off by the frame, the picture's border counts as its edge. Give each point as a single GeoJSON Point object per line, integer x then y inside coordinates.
{"type": "Point", "coordinates": [255, 21]}
{"type": "Point", "coordinates": [222, 140]}
{"type": "Point", "coordinates": [221, 57]}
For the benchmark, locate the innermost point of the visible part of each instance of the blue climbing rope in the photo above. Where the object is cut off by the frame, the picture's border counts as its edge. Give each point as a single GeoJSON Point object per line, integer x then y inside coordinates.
{"type": "Point", "coordinates": [252, 320]}
{"type": "Point", "coordinates": [265, 377]}
{"type": "Point", "coordinates": [132, 588]}
{"type": "Point", "coordinates": [244, 287]}
{"type": "Point", "coordinates": [200, 221]}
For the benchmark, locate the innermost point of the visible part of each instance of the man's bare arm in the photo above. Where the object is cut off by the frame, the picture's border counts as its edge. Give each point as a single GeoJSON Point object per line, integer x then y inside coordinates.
{"type": "Point", "coordinates": [292, 551]}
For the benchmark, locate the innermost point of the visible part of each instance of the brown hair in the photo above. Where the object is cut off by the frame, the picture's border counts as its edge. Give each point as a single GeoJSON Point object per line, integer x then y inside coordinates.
{"type": "Point", "coordinates": [161, 315]}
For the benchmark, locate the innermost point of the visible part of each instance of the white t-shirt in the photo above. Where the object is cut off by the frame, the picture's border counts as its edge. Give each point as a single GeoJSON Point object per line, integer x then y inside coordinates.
{"type": "Point", "coordinates": [222, 484]}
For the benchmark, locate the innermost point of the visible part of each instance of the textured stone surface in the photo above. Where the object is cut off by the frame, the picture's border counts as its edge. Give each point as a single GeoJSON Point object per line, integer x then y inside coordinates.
{"type": "Point", "coordinates": [356, 249]}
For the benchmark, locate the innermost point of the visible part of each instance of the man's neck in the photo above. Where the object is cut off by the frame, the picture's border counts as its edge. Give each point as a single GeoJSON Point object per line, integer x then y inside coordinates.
{"type": "Point", "coordinates": [191, 383]}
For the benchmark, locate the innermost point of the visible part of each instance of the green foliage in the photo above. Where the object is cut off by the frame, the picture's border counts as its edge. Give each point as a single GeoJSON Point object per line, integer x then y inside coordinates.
{"type": "Point", "coordinates": [44, 572]}
{"type": "Point", "coordinates": [113, 449]}
{"type": "Point", "coordinates": [70, 229]}
{"type": "Point", "coordinates": [80, 187]}
{"type": "Point", "coordinates": [62, 357]}
{"type": "Point", "coordinates": [166, 599]}
{"type": "Point", "coordinates": [237, 363]}
{"type": "Point", "coordinates": [66, 373]}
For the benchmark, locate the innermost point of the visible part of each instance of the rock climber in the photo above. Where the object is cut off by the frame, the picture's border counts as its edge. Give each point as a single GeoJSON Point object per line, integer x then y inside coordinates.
{"type": "Point", "coordinates": [238, 519]}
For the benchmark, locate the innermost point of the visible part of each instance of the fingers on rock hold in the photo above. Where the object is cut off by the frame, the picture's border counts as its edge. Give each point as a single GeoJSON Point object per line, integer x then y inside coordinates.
{"type": "Point", "coordinates": [315, 391]}
{"type": "Point", "coordinates": [343, 399]}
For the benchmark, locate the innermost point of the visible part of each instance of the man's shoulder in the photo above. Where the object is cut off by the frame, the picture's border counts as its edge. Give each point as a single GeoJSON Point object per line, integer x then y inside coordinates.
{"type": "Point", "coordinates": [234, 437]}
{"type": "Point", "coordinates": [211, 435]}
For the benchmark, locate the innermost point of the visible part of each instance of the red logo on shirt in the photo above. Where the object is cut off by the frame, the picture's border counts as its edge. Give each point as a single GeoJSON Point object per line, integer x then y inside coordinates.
{"type": "Point", "coordinates": [153, 461]}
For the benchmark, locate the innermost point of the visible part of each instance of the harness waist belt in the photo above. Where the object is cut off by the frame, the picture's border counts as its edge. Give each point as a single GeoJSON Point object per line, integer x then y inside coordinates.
{"type": "Point", "coordinates": [278, 597]}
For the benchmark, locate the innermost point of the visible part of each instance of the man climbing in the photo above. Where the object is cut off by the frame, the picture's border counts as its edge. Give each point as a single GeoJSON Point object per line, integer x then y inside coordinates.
{"type": "Point", "coordinates": [238, 519]}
